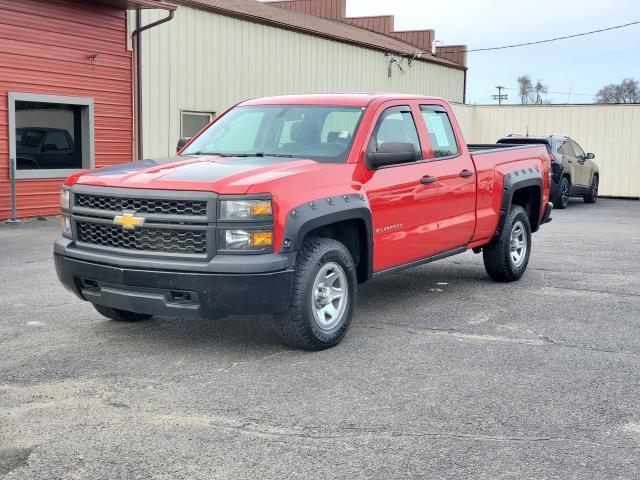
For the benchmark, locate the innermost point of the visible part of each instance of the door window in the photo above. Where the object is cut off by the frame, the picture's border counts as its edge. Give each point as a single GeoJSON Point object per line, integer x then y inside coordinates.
{"type": "Point", "coordinates": [443, 140]}
{"type": "Point", "coordinates": [396, 125]}
{"type": "Point", "coordinates": [578, 152]}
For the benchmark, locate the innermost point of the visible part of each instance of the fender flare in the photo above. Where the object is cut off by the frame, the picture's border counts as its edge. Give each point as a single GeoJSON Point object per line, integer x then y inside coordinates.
{"type": "Point", "coordinates": [514, 181]}
{"type": "Point", "coordinates": [326, 211]}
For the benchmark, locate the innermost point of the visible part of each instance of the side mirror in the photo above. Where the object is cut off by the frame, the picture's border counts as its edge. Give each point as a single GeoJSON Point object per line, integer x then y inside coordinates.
{"type": "Point", "coordinates": [590, 156]}
{"type": "Point", "coordinates": [47, 147]}
{"type": "Point", "coordinates": [391, 153]}
{"type": "Point", "coordinates": [182, 142]}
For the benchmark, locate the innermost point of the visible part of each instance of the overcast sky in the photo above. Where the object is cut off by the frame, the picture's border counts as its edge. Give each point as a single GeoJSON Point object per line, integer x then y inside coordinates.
{"type": "Point", "coordinates": [581, 65]}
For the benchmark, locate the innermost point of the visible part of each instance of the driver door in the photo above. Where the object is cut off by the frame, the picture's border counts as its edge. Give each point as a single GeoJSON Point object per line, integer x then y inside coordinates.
{"type": "Point", "coordinates": [402, 196]}
{"type": "Point", "coordinates": [581, 160]}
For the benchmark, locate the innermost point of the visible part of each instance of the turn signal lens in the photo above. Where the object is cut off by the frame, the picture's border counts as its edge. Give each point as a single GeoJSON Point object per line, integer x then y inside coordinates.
{"type": "Point", "coordinates": [246, 240]}
{"type": "Point", "coordinates": [262, 239]}
{"type": "Point", "coordinates": [260, 210]}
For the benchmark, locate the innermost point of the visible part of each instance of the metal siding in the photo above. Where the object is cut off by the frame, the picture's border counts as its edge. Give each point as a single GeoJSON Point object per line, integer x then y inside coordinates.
{"type": "Point", "coordinates": [609, 131]}
{"type": "Point", "coordinates": [43, 49]}
{"type": "Point", "coordinates": [205, 61]}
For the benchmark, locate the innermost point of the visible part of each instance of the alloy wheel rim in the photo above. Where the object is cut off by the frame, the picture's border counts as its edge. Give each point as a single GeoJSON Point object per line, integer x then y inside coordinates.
{"type": "Point", "coordinates": [518, 244]}
{"type": "Point", "coordinates": [565, 192]}
{"type": "Point", "coordinates": [594, 189]}
{"type": "Point", "coordinates": [329, 296]}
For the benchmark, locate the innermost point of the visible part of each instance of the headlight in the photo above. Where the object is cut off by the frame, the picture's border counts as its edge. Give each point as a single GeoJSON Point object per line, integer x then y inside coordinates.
{"type": "Point", "coordinates": [65, 225]}
{"type": "Point", "coordinates": [64, 199]}
{"type": "Point", "coordinates": [259, 210]}
{"type": "Point", "coordinates": [246, 240]}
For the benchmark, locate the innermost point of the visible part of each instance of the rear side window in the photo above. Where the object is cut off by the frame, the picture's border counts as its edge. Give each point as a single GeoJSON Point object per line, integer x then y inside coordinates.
{"type": "Point", "coordinates": [396, 125]}
{"type": "Point", "coordinates": [443, 140]}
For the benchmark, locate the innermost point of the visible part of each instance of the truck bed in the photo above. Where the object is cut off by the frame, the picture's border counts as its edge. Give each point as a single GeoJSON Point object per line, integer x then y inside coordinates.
{"type": "Point", "coordinates": [480, 148]}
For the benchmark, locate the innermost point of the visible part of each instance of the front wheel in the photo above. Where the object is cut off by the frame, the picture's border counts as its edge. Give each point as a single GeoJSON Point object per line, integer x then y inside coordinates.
{"type": "Point", "coordinates": [507, 257]}
{"type": "Point", "coordinates": [323, 296]}
{"type": "Point", "coordinates": [592, 196]}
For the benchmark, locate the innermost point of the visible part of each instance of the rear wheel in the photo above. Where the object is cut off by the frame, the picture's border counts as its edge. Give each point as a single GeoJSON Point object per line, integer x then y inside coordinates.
{"type": "Point", "coordinates": [323, 296]}
{"type": "Point", "coordinates": [561, 199]}
{"type": "Point", "coordinates": [507, 257]}
{"type": "Point", "coordinates": [592, 196]}
{"type": "Point", "coordinates": [121, 315]}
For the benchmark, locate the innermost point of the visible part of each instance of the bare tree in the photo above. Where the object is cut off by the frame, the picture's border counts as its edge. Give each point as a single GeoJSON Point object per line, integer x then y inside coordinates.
{"type": "Point", "coordinates": [525, 89]}
{"type": "Point", "coordinates": [540, 89]}
{"type": "Point", "coordinates": [626, 92]}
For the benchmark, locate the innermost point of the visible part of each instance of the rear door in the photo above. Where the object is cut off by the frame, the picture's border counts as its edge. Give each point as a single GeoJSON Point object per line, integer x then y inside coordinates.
{"type": "Point", "coordinates": [403, 196]}
{"type": "Point", "coordinates": [453, 167]}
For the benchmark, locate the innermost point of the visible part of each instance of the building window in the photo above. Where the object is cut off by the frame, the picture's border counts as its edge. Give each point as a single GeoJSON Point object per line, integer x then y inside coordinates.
{"type": "Point", "coordinates": [193, 122]}
{"type": "Point", "coordinates": [50, 136]}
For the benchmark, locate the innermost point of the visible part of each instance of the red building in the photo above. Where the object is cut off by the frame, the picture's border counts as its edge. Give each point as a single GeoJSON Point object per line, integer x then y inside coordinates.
{"type": "Point", "coordinates": [66, 95]}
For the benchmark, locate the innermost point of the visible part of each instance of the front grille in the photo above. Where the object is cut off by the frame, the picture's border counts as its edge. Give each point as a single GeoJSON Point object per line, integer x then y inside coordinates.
{"type": "Point", "coordinates": [191, 242]}
{"type": "Point", "coordinates": [142, 205]}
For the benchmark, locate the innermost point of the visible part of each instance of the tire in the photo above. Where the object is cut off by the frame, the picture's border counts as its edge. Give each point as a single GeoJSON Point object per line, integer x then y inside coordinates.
{"type": "Point", "coordinates": [592, 196]}
{"type": "Point", "coordinates": [502, 262]}
{"type": "Point", "coordinates": [121, 315]}
{"type": "Point", "coordinates": [305, 325]}
{"type": "Point", "coordinates": [561, 198]}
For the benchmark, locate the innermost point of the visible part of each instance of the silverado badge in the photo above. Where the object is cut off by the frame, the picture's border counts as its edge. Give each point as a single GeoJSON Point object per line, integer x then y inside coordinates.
{"type": "Point", "coordinates": [128, 220]}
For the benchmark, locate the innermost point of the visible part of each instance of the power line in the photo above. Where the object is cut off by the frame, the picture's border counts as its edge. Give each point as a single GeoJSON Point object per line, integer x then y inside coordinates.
{"type": "Point", "coordinates": [560, 93]}
{"type": "Point", "coordinates": [615, 27]}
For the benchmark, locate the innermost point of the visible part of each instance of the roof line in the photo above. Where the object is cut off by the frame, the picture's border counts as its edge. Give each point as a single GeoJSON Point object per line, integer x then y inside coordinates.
{"type": "Point", "coordinates": [296, 28]}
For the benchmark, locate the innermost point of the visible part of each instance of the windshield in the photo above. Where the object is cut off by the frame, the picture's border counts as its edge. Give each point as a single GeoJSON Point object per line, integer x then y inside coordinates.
{"type": "Point", "coordinates": [322, 133]}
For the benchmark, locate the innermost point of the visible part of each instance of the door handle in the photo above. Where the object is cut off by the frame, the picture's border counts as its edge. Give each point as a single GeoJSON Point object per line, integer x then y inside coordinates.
{"type": "Point", "coordinates": [466, 173]}
{"type": "Point", "coordinates": [427, 179]}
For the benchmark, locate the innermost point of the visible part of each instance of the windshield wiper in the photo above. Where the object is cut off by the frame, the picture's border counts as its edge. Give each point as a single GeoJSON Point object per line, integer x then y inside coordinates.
{"type": "Point", "coordinates": [281, 155]}
{"type": "Point", "coordinates": [199, 152]}
{"type": "Point", "coordinates": [241, 155]}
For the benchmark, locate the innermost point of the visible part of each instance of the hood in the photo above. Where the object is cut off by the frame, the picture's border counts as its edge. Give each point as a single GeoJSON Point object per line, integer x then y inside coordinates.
{"type": "Point", "coordinates": [229, 175]}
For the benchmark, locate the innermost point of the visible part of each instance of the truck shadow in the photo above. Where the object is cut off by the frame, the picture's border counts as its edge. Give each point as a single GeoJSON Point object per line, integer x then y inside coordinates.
{"type": "Point", "coordinates": [386, 296]}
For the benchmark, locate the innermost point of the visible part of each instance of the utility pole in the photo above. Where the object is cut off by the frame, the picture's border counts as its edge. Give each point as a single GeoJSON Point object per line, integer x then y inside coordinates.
{"type": "Point", "coordinates": [500, 96]}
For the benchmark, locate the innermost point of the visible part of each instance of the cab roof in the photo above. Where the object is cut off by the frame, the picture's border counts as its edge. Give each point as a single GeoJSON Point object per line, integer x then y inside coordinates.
{"type": "Point", "coordinates": [341, 99]}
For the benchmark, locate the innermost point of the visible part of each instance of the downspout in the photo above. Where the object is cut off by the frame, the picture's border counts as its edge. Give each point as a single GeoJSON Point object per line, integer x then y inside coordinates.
{"type": "Point", "coordinates": [464, 88]}
{"type": "Point", "coordinates": [137, 45]}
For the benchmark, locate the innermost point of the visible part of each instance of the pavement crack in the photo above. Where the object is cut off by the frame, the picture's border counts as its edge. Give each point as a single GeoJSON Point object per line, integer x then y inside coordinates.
{"type": "Point", "coordinates": [256, 360]}
{"type": "Point", "coordinates": [594, 290]}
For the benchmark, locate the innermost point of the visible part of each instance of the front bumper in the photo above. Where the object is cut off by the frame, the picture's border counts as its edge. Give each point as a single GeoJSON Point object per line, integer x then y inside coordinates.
{"type": "Point", "coordinates": [176, 293]}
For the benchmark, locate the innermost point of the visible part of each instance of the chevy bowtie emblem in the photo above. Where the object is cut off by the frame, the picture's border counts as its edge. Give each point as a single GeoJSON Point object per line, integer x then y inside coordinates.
{"type": "Point", "coordinates": [128, 220]}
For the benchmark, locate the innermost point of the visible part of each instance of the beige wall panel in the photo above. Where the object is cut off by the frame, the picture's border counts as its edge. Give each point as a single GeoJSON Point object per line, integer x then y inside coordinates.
{"type": "Point", "coordinates": [204, 61]}
{"type": "Point", "coordinates": [466, 120]}
{"type": "Point", "coordinates": [609, 131]}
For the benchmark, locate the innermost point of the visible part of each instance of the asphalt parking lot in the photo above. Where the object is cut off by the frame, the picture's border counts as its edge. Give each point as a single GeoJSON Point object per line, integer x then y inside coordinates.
{"type": "Point", "coordinates": [444, 374]}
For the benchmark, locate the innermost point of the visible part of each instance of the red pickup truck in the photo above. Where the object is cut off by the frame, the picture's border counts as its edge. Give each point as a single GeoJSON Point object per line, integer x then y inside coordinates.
{"type": "Point", "coordinates": [283, 205]}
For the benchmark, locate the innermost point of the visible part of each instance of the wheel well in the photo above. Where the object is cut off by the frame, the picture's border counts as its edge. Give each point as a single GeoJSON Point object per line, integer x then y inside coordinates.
{"type": "Point", "coordinates": [567, 176]}
{"type": "Point", "coordinates": [530, 199]}
{"type": "Point", "coordinates": [353, 235]}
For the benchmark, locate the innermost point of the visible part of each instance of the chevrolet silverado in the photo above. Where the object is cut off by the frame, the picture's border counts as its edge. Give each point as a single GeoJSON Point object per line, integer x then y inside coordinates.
{"type": "Point", "coordinates": [283, 205]}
